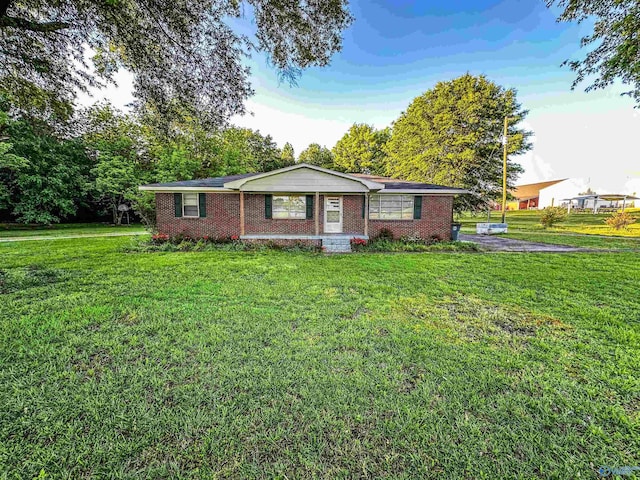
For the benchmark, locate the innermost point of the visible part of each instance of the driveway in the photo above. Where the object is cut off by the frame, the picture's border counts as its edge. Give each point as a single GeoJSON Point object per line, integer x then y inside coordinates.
{"type": "Point", "coordinates": [497, 243]}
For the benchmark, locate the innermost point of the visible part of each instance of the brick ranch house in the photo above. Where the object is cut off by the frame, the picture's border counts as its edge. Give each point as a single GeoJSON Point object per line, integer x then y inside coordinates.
{"type": "Point", "coordinates": [303, 203]}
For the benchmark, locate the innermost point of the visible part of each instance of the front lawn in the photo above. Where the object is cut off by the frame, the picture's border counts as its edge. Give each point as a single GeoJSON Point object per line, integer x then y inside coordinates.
{"type": "Point", "coordinates": [299, 365]}
{"type": "Point", "coordinates": [11, 230]}
{"type": "Point", "coordinates": [529, 221]}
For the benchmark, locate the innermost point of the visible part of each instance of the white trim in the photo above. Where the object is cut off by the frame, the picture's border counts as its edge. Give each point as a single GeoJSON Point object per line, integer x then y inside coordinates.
{"type": "Point", "coordinates": [237, 184]}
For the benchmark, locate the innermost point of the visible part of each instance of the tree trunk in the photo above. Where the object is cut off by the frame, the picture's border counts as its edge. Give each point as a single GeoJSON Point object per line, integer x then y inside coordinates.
{"type": "Point", "coordinates": [114, 212]}
{"type": "Point", "coordinates": [4, 6]}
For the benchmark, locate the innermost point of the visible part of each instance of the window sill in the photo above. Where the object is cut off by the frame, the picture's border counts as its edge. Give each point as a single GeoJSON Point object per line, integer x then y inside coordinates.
{"type": "Point", "coordinates": [394, 219]}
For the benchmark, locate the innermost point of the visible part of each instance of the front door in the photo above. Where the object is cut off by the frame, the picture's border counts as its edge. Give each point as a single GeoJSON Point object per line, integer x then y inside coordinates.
{"type": "Point", "coordinates": [332, 214]}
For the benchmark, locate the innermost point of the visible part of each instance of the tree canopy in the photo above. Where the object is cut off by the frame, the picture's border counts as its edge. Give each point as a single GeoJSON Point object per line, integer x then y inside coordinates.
{"type": "Point", "coordinates": [451, 135]}
{"type": "Point", "coordinates": [315, 154]}
{"type": "Point", "coordinates": [616, 55]}
{"type": "Point", "coordinates": [361, 149]}
{"type": "Point", "coordinates": [186, 58]}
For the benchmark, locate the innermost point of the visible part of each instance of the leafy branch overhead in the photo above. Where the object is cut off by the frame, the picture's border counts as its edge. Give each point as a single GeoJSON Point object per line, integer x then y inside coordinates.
{"type": "Point", "coordinates": [615, 38]}
{"type": "Point", "coordinates": [186, 58]}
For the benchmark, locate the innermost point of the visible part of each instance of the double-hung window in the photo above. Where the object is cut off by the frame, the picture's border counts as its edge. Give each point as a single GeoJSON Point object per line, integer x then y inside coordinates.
{"type": "Point", "coordinates": [391, 207]}
{"type": "Point", "coordinates": [190, 205]}
{"type": "Point", "coordinates": [289, 206]}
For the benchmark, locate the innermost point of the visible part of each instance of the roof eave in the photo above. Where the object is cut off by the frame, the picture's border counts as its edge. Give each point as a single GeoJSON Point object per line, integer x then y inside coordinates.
{"type": "Point", "coordinates": [164, 189]}
{"type": "Point", "coordinates": [427, 191]}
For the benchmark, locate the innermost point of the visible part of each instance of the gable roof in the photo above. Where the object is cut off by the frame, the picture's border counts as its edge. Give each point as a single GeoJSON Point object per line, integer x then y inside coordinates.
{"type": "Point", "coordinates": [532, 190]}
{"type": "Point", "coordinates": [367, 183]}
{"type": "Point", "coordinates": [373, 183]}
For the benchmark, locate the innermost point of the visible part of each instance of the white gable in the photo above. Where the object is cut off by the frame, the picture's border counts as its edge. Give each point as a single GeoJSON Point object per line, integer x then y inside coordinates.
{"type": "Point", "coordinates": [303, 180]}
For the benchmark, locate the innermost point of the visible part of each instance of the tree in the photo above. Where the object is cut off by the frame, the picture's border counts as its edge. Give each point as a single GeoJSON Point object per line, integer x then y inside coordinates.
{"type": "Point", "coordinates": [451, 135]}
{"type": "Point", "coordinates": [314, 154]}
{"type": "Point", "coordinates": [43, 177]}
{"type": "Point", "coordinates": [615, 34]}
{"type": "Point", "coordinates": [361, 150]}
{"type": "Point", "coordinates": [288, 156]}
{"type": "Point", "coordinates": [114, 141]}
{"type": "Point", "coordinates": [185, 56]}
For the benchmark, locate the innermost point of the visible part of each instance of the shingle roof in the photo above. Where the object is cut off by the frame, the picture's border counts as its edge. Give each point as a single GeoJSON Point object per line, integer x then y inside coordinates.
{"type": "Point", "coordinates": [396, 184]}
{"type": "Point", "coordinates": [217, 182]}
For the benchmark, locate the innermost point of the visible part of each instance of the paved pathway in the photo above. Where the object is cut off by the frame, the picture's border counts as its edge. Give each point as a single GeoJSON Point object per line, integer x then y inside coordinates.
{"type": "Point", "coordinates": [63, 237]}
{"type": "Point", "coordinates": [501, 244]}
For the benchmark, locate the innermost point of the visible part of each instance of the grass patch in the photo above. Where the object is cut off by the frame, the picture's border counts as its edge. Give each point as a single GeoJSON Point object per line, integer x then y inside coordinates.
{"type": "Point", "coordinates": [288, 365]}
{"type": "Point", "coordinates": [578, 240]}
{"type": "Point", "coordinates": [11, 230]}
{"type": "Point", "coordinates": [529, 220]}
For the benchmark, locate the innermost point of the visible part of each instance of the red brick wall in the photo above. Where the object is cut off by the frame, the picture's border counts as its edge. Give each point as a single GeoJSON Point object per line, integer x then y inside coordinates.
{"type": "Point", "coordinates": [255, 222]}
{"type": "Point", "coordinates": [435, 220]}
{"type": "Point", "coordinates": [223, 218]}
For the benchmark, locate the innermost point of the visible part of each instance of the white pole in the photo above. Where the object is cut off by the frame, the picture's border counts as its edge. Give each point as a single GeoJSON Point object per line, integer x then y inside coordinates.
{"type": "Point", "coordinates": [624, 203]}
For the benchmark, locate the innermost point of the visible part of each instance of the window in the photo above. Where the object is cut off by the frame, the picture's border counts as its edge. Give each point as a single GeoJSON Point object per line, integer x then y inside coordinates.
{"type": "Point", "coordinates": [289, 206]}
{"type": "Point", "coordinates": [391, 207]}
{"type": "Point", "coordinates": [190, 206]}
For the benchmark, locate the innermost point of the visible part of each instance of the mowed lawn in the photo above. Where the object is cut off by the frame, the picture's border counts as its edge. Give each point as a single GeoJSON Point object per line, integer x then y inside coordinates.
{"type": "Point", "coordinates": [12, 230]}
{"type": "Point", "coordinates": [575, 223]}
{"type": "Point", "coordinates": [281, 365]}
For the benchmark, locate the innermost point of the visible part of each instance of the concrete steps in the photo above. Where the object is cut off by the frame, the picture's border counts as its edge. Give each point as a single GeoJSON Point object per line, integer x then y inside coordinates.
{"type": "Point", "coordinates": [340, 244]}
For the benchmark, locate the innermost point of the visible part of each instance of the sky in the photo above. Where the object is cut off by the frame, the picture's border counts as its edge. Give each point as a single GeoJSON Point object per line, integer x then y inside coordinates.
{"type": "Point", "coordinates": [397, 49]}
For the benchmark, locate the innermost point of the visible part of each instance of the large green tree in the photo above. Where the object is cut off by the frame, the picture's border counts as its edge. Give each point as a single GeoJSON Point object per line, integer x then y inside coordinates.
{"type": "Point", "coordinates": [185, 56]}
{"type": "Point", "coordinates": [315, 154]}
{"type": "Point", "coordinates": [361, 149]}
{"type": "Point", "coordinates": [116, 145]}
{"type": "Point", "coordinates": [615, 38]}
{"type": "Point", "coordinates": [44, 177]}
{"type": "Point", "coordinates": [451, 135]}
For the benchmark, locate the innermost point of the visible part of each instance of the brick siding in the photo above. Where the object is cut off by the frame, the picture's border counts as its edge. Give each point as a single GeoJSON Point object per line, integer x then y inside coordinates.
{"type": "Point", "coordinates": [435, 221]}
{"type": "Point", "coordinates": [223, 218]}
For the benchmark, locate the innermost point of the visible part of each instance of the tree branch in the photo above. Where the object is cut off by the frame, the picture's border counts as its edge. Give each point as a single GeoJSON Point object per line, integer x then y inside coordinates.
{"type": "Point", "coordinates": [7, 21]}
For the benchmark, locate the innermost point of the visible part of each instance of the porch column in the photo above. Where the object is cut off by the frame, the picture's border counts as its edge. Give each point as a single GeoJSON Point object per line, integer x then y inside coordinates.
{"type": "Point", "coordinates": [316, 214]}
{"type": "Point", "coordinates": [366, 214]}
{"type": "Point", "coordinates": [624, 203]}
{"type": "Point", "coordinates": [241, 212]}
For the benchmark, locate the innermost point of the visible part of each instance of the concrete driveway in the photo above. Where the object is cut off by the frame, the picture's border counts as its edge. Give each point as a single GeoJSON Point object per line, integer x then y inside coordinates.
{"type": "Point", "coordinates": [498, 243]}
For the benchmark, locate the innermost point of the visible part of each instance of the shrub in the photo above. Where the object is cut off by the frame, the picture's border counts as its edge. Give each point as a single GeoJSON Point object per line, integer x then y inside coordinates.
{"type": "Point", "coordinates": [552, 215]}
{"type": "Point", "coordinates": [384, 234]}
{"type": "Point", "coordinates": [620, 221]}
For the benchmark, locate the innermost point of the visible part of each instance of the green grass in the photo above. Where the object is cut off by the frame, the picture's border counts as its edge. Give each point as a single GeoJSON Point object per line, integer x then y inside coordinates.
{"type": "Point", "coordinates": [529, 220]}
{"type": "Point", "coordinates": [10, 230]}
{"type": "Point", "coordinates": [579, 240]}
{"type": "Point", "coordinates": [282, 365]}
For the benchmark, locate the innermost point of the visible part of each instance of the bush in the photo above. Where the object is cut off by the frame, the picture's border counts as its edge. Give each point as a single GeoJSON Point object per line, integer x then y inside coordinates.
{"type": "Point", "coordinates": [384, 234]}
{"type": "Point", "coordinates": [620, 221]}
{"type": "Point", "coordinates": [552, 215]}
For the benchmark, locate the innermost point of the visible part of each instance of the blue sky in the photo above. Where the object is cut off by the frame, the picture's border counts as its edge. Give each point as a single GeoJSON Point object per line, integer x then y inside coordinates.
{"type": "Point", "coordinates": [395, 50]}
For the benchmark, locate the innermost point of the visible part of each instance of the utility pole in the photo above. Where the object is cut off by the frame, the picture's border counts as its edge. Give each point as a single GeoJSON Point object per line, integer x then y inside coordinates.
{"type": "Point", "coordinates": [504, 172]}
